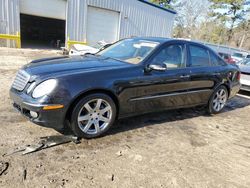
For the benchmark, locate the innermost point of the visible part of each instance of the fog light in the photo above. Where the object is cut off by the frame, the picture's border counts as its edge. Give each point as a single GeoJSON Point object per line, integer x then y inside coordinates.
{"type": "Point", "coordinates": [33, 114]}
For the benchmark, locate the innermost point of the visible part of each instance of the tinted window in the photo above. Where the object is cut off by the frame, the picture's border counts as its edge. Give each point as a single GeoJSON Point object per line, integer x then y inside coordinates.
{"type": "Point", "coordinates": [198, 56]}
{"type": "Point", "coordinates": [172, 56]}
{"type": "Point", "coordinates": [129, 50]}
{"type": "Point", "coordinates": [215, 60]}
{"type": "Point", "coordinates": [224, 56]}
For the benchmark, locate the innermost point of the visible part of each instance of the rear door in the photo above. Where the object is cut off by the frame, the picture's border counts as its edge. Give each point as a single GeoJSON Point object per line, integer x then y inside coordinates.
{"type": "Point", "coordinates": [203, 74]}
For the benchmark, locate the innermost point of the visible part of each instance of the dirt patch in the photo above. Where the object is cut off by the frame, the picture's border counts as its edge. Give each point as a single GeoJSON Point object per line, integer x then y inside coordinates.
{"type": "Point", "coordinates": [181, 148]}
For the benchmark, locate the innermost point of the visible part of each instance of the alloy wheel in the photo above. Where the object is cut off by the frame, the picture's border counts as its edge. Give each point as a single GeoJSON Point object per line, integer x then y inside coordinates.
{"type": "Point", "coordinates": [94, 116]}
{"type": "Point", "coordinates": [219, 100]}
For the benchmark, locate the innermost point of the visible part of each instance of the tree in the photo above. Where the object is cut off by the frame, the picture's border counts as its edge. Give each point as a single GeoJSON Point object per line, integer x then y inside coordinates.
{"type": "Point", "coordinates": [229, 12]}
{"type": "Point", "coordinates": [190, 14]}
{"type": "Point", "coordinates": [241, 37]}
{"type": "Point", "coordinates": [163, 3]}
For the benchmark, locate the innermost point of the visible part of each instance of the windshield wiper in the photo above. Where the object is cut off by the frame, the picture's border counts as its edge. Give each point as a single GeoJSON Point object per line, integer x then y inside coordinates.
{"type": "Point", "coordinates": [88, 54]}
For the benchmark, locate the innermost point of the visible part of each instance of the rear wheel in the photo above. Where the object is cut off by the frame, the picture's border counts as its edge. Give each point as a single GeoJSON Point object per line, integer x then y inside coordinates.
{"type": "Point", "coordinates": [93, 116]}
{"type": "Point", "coordinates": [218, 100]}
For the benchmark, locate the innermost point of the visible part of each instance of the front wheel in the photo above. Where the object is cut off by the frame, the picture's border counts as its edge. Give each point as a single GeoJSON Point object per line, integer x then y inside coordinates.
{"type": "Point", "coordinates": [218, 100]}
{"type": "Point", "coordinates": [93, 116]}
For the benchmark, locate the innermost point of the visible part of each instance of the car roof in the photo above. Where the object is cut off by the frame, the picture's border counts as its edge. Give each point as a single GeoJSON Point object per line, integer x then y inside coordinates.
{"type": "Point", "coordinates": [153, 39]}
{"type": "Point", "coordinates": [163, 40]}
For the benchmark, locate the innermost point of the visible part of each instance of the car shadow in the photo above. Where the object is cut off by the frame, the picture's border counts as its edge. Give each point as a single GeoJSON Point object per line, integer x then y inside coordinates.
{"type": "Point", "coordinates": [151, 119]}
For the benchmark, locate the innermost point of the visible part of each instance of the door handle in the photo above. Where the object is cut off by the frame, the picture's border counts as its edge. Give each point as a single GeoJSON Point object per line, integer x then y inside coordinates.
{"type": "Point", "coordinates": [185, 76]}
{"type": "Point", "coordinates": [216, 74]}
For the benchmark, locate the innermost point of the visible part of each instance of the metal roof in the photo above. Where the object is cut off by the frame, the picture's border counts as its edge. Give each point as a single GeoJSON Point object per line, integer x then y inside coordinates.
{"type": "Point", "coordinates": [157, 6]}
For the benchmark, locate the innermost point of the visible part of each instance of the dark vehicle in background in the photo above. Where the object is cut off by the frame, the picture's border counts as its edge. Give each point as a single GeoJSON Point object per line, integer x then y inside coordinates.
{"type": "Point", "coordinates": [131, 77]}
{"type": "Point", "coordinates": [227, 58]}
{"type": "Point", "coordinates": [245, 74]}
{"type": "Point", "coordinates": [248, 56]}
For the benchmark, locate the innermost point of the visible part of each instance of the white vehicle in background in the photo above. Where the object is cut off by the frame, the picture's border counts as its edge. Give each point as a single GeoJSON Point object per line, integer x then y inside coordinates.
{"type": "Point", "coordinates": [244, 66]}
{"type": "Point", "coordinates": [237, 56]}
{"type": "Point", "coordinates": [80, 49]}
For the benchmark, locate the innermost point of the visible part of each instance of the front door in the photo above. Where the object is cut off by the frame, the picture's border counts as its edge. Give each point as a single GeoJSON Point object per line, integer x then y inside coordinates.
{"type": "Point", "coordinates": [158, 90]}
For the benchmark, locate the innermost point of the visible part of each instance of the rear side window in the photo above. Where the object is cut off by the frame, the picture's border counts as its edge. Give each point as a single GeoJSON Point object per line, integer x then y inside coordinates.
{"type": "Point", "coordinates": [199, 56]}
{"type": "Point", "coordinates": [215, 60]}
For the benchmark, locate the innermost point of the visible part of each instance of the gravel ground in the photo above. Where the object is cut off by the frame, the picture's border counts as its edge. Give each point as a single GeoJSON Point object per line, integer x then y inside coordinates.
{"type": "Point", "coordinates": [181, 148]}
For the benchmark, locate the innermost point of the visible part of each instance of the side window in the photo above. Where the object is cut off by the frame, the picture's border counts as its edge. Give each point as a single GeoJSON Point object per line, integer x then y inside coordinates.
{"type": "Point", "coordinates": [199, 56]}
{"type": "Point", "coordinates": [172, 56]}
{"type": "Point", "coordinates": [216, 60]}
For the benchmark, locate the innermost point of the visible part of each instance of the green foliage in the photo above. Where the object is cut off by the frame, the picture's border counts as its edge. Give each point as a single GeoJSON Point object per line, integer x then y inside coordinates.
{"type": "Point", "coordinates": [164, 3]}
{"type": "Point", "coordinates": [225, 22]}
{"type": "Point", "coordinates": [229, 12]}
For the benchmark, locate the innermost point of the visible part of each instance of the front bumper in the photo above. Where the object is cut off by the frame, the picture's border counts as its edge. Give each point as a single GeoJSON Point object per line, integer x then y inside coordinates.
{"type": "Point", "coordinates": [47, 118]}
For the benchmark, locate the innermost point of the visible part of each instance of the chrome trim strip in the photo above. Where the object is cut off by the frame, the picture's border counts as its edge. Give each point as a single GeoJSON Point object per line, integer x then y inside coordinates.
{"type": "Point", "coordinates": [39, 105]}
{"type": "Point", "coordinates": [34, 105]}
{"type": "Point", "coordinates": [169, 95]}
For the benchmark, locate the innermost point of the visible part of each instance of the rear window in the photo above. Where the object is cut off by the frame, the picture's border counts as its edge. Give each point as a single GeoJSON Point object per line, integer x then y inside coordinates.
{"type": "Point", "coordinates": [224, 56]}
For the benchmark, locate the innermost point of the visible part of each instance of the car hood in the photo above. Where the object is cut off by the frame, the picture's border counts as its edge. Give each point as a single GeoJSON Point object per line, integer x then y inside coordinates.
{"type": "Point", "coordinates": [68, 64]}
{"type": "Point", "coordinates": [245, 68]}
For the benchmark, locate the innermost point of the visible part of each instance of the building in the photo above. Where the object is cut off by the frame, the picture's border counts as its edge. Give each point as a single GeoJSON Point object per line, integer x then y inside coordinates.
{"type": "Point", "coordinates": [49, 22]}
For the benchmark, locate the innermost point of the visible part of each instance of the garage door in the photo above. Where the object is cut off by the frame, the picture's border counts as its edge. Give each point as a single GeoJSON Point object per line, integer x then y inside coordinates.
{"type": "Point", "coordinates": [44, 8]}
{"type": "Point", "coordinates": [102, 24]}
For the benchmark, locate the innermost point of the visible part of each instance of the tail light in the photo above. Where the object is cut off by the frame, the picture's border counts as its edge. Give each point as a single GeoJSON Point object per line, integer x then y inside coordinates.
{"type": "Point", "coordinates": [238, 76]}
{"type": "Point", "coordinates": [231, 61]}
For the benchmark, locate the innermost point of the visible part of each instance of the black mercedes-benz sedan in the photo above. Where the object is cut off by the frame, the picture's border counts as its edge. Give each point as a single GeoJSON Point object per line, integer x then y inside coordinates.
{"type": "Point", "coordinates": [133, 76]}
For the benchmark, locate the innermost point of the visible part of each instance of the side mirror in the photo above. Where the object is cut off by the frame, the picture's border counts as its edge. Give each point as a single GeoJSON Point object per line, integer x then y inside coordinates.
{"type": "Point", "coordinates": [152, 67]}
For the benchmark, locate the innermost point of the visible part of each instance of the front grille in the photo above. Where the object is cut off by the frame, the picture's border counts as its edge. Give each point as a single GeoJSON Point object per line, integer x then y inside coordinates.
{"type": "Point", "coordinates": [21, 80]}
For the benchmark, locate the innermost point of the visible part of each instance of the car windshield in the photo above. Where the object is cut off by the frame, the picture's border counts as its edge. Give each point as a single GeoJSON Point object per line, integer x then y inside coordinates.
{"type": "Point", "coordinates": [129, 50]}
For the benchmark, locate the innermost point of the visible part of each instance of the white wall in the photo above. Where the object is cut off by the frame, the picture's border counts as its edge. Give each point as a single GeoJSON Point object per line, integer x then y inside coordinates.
{"type": "Point", "coordinates": [44, 8]}
{"type": "Point", "coordinates": [137, 18]}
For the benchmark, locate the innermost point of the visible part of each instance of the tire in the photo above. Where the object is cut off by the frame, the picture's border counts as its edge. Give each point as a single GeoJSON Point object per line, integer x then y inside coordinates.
{"type": "Point", "coordinates": [93, 115]}
{"type": "Point", "coordinates": [218, 100]}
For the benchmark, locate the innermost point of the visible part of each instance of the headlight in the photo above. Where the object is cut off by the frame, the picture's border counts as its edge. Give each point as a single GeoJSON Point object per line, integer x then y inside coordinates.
{"type": "Point", "coordinates": [44, 88]}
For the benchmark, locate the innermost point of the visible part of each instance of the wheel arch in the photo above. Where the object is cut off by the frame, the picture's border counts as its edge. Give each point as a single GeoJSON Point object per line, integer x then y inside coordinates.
{"type": "Point", "coordinates": [228, 89]}
{"type": "Point", "coordinates": [226, 84]}
{"type": "Point", "coordinates": [217, 86]}
{"type": "Point", "coordinates": [89, 92]}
